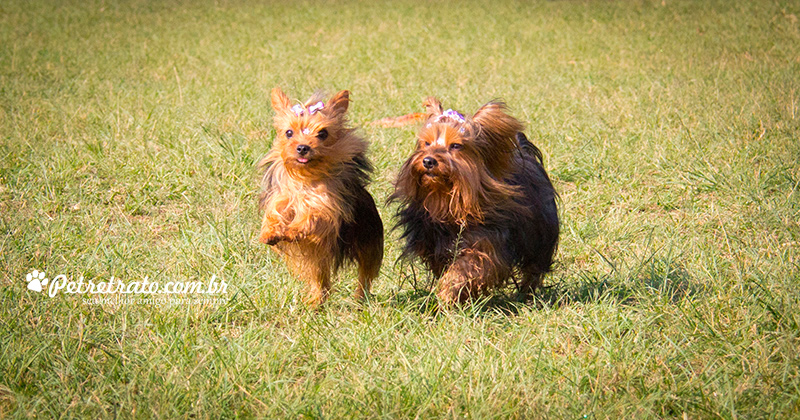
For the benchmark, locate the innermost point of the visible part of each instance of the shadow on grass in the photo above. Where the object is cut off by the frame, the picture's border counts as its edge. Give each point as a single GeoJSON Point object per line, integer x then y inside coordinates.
{"type": "Point", "coordinates": [425, 302]}
{"type": "Point", "coordinates": [664, 280]}
{"type": "Point", "coordinates": [660, 280]}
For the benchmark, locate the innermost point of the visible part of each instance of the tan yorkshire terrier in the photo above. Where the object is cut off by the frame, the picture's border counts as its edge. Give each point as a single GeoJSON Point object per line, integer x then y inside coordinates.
{"type": "Point", "coordinates": [316, 210]}
{"type": "Point", "coordinates": [476, 205]}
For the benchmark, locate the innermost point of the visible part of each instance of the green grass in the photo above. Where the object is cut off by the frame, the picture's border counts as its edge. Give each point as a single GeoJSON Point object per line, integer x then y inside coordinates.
{"type": "Point", "coordinates": [129, 133]}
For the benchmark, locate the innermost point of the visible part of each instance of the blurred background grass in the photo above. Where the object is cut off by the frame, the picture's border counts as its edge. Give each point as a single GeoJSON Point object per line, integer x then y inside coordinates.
{"type": "Point", "coordinates": [129, 133]}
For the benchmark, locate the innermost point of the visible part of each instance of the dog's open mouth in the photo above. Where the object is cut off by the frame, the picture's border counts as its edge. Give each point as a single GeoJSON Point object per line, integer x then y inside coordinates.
{"type": "Point", "coordinates": [302, 160]}
{"type": "Point", "coordinates": [430, 179]}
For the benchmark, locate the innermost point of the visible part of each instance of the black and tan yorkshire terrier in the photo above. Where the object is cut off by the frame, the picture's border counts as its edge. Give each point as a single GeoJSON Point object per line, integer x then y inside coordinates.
{"type": "Point", "coordinates": [316, 210]}
{"type": "Point", "coordinates": [476, 205]}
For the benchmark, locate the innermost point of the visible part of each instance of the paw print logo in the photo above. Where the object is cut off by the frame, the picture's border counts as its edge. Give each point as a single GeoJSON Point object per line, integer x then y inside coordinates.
{"type": "Point", "coordinates": [36, 280]}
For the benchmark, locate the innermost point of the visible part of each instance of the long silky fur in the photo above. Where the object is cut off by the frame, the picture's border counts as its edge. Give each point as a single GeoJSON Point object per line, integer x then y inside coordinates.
{"type": "Point", "coordinates": [320, 215]}
{"type": "Point", "coordinates": [490, 214]}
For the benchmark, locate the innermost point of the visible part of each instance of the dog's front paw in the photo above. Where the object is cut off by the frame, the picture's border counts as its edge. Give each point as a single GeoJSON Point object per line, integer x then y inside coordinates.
{"type": "Point", "coordinates": [270, 240]}
{"type": "Point", "coordinates": [456, 286]}
{"type": "Point", "coordinates": [270, 237]}
{"type": "Point", "coordinates": [294, 236]}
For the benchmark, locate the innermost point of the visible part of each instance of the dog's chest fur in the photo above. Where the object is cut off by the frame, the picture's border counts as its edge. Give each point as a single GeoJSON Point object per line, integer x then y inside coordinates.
{"type": "Point", "coordinates": [324, 199]}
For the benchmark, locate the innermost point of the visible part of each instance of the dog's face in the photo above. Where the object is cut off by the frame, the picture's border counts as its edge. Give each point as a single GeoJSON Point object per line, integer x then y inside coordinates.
{"type": "Point", "coordinates": [444, 153]}
{"type": "Point", "coordinates": [459, 162]}
{"type": "Point", "coordinates": [312, 138]}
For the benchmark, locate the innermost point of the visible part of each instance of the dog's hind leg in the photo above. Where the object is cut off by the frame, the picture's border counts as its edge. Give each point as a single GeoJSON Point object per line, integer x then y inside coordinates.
{"type": "Point", "coordinates": [531, 280]}
{"type": "Point", "coordinates": [319, 285]}
{"type": "Point", "coordinates": [368, 252]}
{"type": "Point", "coordinates": [315, 264]}
{"type": "Point", "coordinates": [367, 272]}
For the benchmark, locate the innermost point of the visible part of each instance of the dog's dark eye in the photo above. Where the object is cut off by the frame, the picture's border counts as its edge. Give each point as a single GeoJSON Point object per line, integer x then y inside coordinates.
{"type": "Point", "coordinates": [289, 134]}
{"type": "Point", "coordinates": [427, 144]}
{"type": "Point", "coordinates": [323, 134]}
{"type": "Point", "coordinates": [456, 146]}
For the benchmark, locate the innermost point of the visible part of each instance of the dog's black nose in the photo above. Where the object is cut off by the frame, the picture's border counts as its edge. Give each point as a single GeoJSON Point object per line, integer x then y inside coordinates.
{"type": "Point", "coordinates": [429, 162]}
{"type": "Point", "coordinates": [303, 149]}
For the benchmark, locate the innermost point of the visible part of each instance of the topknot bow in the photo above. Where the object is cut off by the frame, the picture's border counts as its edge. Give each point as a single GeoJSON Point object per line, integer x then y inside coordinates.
{"type": "Point", "coordinates": [453, 115]}
{"type": "Point", "coordinates": [299, 110]}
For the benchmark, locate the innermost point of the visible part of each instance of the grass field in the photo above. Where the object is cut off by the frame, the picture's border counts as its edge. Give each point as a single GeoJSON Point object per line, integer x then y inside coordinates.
{"type": "Point", "coordinates": [129, 133]}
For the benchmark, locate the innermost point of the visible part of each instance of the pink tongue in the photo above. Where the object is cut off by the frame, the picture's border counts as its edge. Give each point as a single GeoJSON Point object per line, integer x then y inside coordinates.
{"type": "Point", "coordinates": [302, 160]}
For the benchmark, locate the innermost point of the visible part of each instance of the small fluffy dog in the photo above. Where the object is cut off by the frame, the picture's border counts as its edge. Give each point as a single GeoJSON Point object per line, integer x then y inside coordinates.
{"type": "Point", "coordinates": [476, 205]}
{"type": "Point", "coordinates": [316, 210]}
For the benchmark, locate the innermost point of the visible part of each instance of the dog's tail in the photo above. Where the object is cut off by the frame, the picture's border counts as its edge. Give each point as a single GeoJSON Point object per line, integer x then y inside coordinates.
{"type": "Point", "coordinates": [529, 147]}
{"type": "Point", "coordinates": [401, 121]}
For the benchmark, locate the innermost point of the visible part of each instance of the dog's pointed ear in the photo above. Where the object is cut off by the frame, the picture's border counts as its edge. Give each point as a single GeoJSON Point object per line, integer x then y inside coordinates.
{"type": "Point", "coordinates": [495, 122]}
{"type": "Point", "coordinates": [280, 102]}
{"type": "Point", "coordinates": [433, 106]}
{"type": "Point", "coordinates": [496, 136]}
{"type": "Point", "coordinates": [339, 102]}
